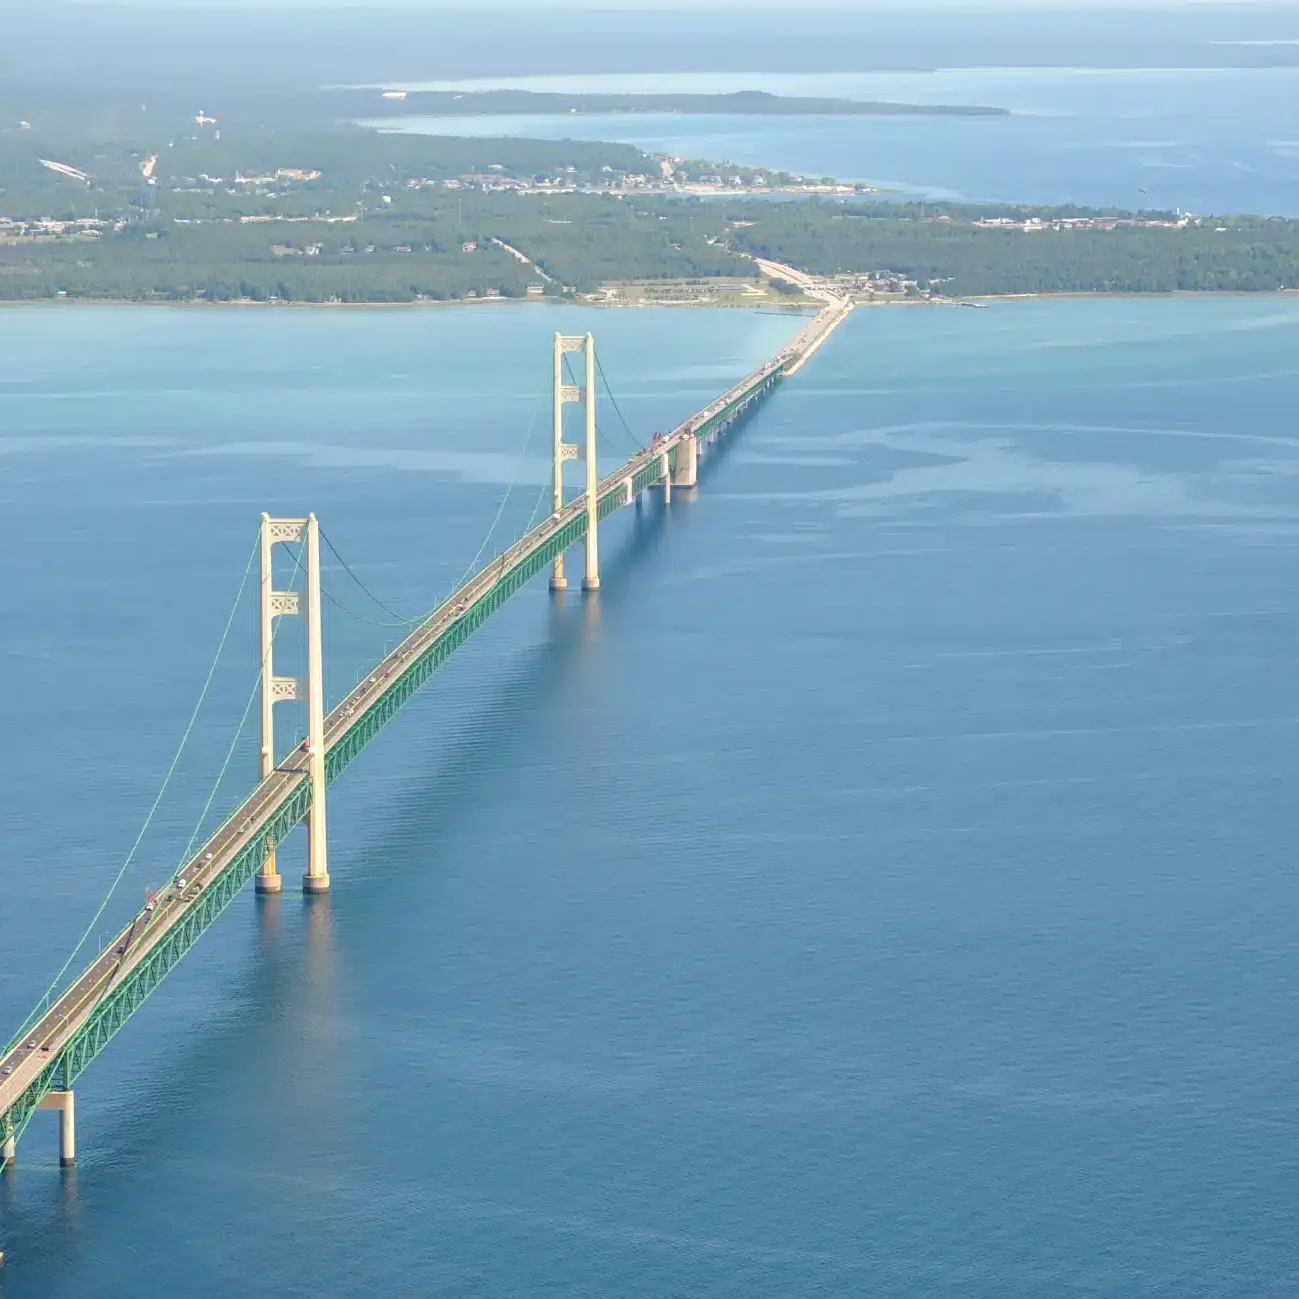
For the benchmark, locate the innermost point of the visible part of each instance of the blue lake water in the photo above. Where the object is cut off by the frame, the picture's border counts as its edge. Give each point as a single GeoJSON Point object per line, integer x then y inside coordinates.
{"type": "Point", "coordinates": [1209, 139]}
{"type": "Point", "coordinates": [884, 886]}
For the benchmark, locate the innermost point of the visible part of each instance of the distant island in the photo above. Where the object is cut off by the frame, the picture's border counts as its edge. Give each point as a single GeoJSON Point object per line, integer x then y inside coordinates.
{"type": "Point", "coordinates": [519, 103]}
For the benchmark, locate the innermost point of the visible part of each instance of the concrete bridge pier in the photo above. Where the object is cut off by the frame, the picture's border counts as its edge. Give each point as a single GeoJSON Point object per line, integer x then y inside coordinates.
{"type": "Point", "coordinates": [65, 1103]}
{"type": "Point", "coordinates": [686, 474]}
{"type": "Point", "coordinates": [268, 879]}
{"type": "Point", "coordinates": [665, 470]}
{"type": "Point", "coordinates": [8, 1146]}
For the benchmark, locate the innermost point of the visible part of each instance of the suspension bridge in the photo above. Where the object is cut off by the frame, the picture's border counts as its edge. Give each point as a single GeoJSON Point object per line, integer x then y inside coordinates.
{"type": "Point", "coordinates": [82, 1012]}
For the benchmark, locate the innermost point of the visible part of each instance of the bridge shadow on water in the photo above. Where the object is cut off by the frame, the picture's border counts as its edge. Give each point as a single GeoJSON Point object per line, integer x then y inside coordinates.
{"type": "Point", "coordinates": [279, 1009]}
{"type": "Point", "coordinates": [280, 987]}
{"type": "Point", "coordinates": [504, 730]}
{"type": "Point", "coordinates": [490, 740]}
{"type": "Point", "coordinates": [237, 1073]}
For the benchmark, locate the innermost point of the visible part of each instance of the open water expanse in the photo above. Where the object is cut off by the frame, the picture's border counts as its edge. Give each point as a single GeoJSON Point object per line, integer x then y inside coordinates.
{"type": "Point", "coordinates": [1192, 106]}
{"type": "Point", "coordinates": [884, 886]}
{"type": "Point", "coordinates": [1208, 139]}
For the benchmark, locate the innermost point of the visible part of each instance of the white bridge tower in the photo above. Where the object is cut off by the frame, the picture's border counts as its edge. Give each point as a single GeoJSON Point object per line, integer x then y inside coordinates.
{"type": "Point", "coordinates": [278, 604]}
{"type": "Point", "coordinates": [585, 396]}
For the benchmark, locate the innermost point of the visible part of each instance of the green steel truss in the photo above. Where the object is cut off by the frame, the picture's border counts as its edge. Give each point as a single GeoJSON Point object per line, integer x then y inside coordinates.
{"type": "Point", "coordinates": [123, 999]}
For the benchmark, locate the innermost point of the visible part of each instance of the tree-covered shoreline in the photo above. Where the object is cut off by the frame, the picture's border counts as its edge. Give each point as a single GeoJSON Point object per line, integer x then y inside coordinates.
{"type": "Point", "coordinates": [349, 215]}
{"type": "Point", "coordinates": [373, 102]}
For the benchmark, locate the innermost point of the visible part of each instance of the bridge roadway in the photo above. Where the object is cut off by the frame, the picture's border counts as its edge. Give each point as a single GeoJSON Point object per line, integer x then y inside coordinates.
{"type": "Point", "coordinates": [54, 1049]}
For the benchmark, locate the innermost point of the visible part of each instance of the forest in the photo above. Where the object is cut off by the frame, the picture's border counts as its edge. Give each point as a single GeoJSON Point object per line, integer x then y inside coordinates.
{"type": "Point", "coordinates": [360, 216]}
{"type": "Point", "coordinates": [446, 103]}
{"type": "Point", "coordinates": [944, 248]}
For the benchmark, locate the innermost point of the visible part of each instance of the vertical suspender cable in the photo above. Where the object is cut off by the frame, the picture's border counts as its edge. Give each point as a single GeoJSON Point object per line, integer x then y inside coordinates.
{"type": "Point", "coordinates": [148, 820]}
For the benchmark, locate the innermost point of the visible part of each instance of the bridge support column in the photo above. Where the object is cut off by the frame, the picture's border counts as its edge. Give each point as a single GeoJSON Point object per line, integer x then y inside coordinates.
{"type": "Point", "coordinates": [591, 580]}
{"type": "Point", "coordinates": [316, 880]}
{"type": "Point", "coordinates": [686, 474]}
{"type": "Point", "coordinates": [65, 1103]}
{"type": "Point", "coordinates": [277, 604]}
{"type": "Point", "coordinates": [68, 1132]}
{"type": "Point", "coordinates": [268, 877]}
{"type": "Point", "coordinates": [561, 451]}
{"type": "Point", "coordinates": [666, 471]}
{"type": "Point", "coordinates": [558, 582]}
{"type": "Point", "coordinates": [8, 1145]}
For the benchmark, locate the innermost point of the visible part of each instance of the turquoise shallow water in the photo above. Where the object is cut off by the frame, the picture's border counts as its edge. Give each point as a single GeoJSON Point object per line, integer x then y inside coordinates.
{"type": "Point", "coordinates": [884, 886]}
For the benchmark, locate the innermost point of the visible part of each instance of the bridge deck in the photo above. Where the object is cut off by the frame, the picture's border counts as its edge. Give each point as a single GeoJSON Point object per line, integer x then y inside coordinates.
{"type": "Point", "coordinates": [59, 1045]}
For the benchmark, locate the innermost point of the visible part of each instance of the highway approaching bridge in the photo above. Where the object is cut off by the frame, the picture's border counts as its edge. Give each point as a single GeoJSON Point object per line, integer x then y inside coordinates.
{"type": "Point", "coordinates": [67, 1031]}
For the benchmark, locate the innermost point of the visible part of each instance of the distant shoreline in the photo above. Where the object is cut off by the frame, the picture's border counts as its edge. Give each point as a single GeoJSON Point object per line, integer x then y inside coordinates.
{"type": "Point", "coordinates": [397, 102]}
{"type": "Point", "coordinates": [792, 309]}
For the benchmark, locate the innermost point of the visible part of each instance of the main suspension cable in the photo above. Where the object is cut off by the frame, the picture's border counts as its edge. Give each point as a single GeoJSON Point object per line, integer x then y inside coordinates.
{"type": "Point", "coordinates": [243, 721]}
{"type": "Point", "coordinates": [126, 947]}
{"type": "Point", "coordinates": [148, 820]}
{"type": "Point", "coordinates": [347, 568]}
{"type": "Point", "coordinates": [640, 446]}
{"type": "Point", "coordinates": [360, 617]}
{"type": "Point", "coordinates": [599, 428]}
{"type": "Point", "coordinates": [518, 469]}
{"type": "Point", "coordinates": [460, 581]}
